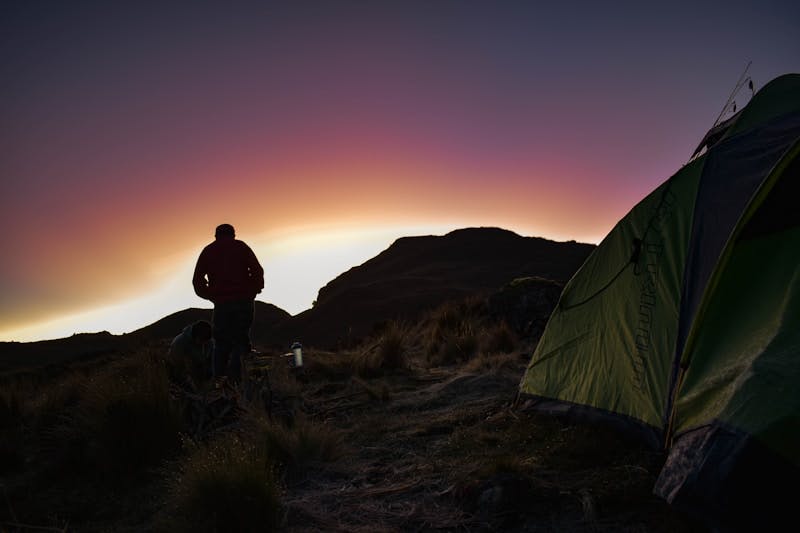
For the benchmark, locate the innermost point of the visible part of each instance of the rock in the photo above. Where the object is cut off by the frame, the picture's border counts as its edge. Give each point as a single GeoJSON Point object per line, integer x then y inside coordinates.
{"type": "Point", "coordinates": [525, 304]}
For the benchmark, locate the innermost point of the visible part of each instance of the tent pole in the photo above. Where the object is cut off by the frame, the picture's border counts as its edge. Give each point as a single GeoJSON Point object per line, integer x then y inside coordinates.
{"type": "Point", "coordinates": [739, 85]}
{"type": "Point", "coordinates": [668, 435]}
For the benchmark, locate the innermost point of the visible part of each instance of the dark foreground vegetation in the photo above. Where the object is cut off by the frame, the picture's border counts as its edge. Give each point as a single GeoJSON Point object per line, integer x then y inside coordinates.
{"type": "Point", "coordinates": [415, 429]}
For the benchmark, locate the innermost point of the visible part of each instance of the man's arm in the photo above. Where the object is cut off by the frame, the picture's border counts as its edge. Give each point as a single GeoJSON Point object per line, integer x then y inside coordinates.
{"type": "Point", "coordinates": [199, 280]}
{"type": "Point", "coordinates": [256, 271]}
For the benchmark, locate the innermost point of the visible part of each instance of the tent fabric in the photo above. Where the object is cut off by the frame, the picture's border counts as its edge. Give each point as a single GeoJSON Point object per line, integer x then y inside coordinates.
{"type": "Point", "coordinates": [685, 321]}
{"type": "Point", "coordinates": [618, 315]}
{"type": "Point", "coordinates": [737, 424]}
{"type": "Point", "coordinates": [732, 174]}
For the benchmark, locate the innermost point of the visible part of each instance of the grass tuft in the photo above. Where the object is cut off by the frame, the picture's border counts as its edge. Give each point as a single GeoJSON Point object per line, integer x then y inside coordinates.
{"type": "Point", "coordinates": [499, 338]}
{"type": "Point", "coordinates": [388, 353]}
{"type": "Point", "coordinates": [124, 421]}
{"type": "Point", "coordinates": [300, 445]}
{"type": "Point", "coordinates": [227, 484]}
{"type": "Point", "coordinates": [10, 409]}
{"type": "Point", "coordinates": [11, 441]}
{"type": "Point", "coordinates": [453, 334]}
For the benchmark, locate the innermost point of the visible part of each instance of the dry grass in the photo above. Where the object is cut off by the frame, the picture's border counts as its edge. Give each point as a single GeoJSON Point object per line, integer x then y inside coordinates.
{"type": "Point", "coordinates": [10, 408]}
{"type": "Point", "coordinates": [11, 437]}
{"type": "Point", "coordinates": [376, 440]}
{"type": "Point", "coordinates": [330, 366]}
{"type": "Point", "coordinates": [452, 333]}
{"type": "Point", "coordinates": [384, 355]}
{"type": "Point", "coordinates": [295, 447]}
{"type": "Point", "coordinates": [487, 362]}
{"type": "Point", "coordinates": [226, 484]}
{"type": "Point", "coordinates": [458, 332]}
{"type": "Point", "coordinates": [499, 338]}
{"type": "Point", "coordinates": [124, 421]}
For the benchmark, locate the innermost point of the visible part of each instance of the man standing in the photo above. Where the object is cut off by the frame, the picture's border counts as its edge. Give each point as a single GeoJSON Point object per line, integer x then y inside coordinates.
{"type": "Point", "coordinates": [228, 274]}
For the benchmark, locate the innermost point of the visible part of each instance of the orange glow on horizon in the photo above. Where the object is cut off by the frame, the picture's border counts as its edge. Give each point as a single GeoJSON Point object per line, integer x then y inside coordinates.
{"type": "Point", "coordinates": [135, 245]}
{"type": "Point", "coordinates": [298, 125]}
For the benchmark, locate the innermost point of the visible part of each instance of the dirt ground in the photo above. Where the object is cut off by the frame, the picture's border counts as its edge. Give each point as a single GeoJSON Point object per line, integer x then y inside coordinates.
{"type": "Point", "coordinates": [419, 448]}
{"type": "Point", "coordinates": [450, 450]}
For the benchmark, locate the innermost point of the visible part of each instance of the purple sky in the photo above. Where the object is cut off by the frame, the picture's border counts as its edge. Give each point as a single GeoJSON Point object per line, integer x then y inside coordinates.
{"type": "Point", "coordinates": [130, 129]}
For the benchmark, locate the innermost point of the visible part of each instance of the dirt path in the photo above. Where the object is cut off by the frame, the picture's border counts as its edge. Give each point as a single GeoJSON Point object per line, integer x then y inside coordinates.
{"type": "Point", "coordinates": [446, 450]}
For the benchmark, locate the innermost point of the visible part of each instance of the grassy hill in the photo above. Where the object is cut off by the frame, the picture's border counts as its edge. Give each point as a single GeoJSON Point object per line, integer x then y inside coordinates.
{"type": "Point", "coordinates": [415, 428]}
{"type": "Point", "coordinates": [411, 424]}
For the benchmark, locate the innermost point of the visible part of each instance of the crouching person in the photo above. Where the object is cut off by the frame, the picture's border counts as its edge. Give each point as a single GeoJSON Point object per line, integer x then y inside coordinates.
{"type": "Point", "coordinates": [190, 352]}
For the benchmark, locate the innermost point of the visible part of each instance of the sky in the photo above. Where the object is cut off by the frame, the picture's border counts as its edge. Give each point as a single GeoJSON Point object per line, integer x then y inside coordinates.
{"type": "Point", "coordinates": [325, 130]}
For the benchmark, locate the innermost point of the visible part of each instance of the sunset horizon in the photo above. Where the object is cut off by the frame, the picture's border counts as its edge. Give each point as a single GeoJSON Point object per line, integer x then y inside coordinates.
{"type": "Point", "coordinates": [324, 133]}
{"type": "Point", "coordinates": [289, 286]}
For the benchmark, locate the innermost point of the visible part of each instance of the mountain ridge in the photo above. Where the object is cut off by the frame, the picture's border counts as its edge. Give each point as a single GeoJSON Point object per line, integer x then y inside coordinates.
{"type": "Point", "coordinates": [413, 274]}
{"type": "Point", "coordinates": [418, 273]}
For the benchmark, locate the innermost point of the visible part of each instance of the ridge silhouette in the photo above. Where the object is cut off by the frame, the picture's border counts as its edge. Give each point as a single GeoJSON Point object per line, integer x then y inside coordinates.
{"type": "Point", "coordinates": [412, 275]}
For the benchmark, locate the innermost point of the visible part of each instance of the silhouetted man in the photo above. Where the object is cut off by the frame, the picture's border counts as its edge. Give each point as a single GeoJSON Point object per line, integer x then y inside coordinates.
{"type": "Point", "coordinates": [228, 274]}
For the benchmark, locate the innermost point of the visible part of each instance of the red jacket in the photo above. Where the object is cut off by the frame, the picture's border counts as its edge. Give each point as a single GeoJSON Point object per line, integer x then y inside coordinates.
{"type": "Point", "coordinates": [227, 271]}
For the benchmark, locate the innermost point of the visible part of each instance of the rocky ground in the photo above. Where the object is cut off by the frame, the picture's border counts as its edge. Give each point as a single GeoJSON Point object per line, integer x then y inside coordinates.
{"type": "Point", "coordinates": [418, 428]}
{"type": "Point", "coordinates": [451, 449]}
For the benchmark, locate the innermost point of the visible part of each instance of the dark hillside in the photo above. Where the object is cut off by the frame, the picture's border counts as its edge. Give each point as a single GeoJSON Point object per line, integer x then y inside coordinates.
{"type": "Point", "coordinates": [418, 273]}
{"type": "Point", "coordinates": [267, 316]}
{"type": "Point", "coordinates": [22, 355]}
{"type": "Point", "coordinates": [29, 356]}
{"type": "Point", "coordinates": [413, 275]}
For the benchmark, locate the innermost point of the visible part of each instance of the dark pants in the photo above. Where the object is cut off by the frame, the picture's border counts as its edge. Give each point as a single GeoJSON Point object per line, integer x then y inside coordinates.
{"type": "Point", "coordinates": [232, 322]}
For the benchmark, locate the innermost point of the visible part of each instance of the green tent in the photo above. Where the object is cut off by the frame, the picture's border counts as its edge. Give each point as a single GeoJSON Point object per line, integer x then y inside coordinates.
{"type": "Point", "coordinates": [684, 323]}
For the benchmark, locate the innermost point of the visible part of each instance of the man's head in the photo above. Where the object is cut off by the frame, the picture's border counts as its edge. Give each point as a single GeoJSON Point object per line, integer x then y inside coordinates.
{"type": "Point", "coordinates": [201, 331]}
{"type": "Point", "coordinates": [225, 230]}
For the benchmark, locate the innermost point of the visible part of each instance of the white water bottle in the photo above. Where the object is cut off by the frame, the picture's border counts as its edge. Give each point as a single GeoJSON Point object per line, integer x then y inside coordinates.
{"type": "Point", "coordinates": [297, 349]}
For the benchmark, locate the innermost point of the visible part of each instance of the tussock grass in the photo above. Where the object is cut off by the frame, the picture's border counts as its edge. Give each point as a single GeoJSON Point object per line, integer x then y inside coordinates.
{"type": "Point", "coordinates": [452, 333]}
{"type": "Point", "coordinates": [227, 484]}
{"type": "Point", "coordinates": [43, 405]}
{"type": "Point", "coordinates": [455, 349]}
{"type": "Point", "coordinates": [386, 354]}
{"type": "Point", "coordinates": [458, 331]}
{"type": "Point", "coordinates": [302, 444]}
{"type": "Point", "coordinates": [11, 436]}
{"type": "Point", "coordinates": [10, 408]}
{"type": "Point", "coordinates": [499, 338]}
{"type": "Point", "coordinates": [232, 482]}
{"type": "Point", "coordinates": [124, 421]}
